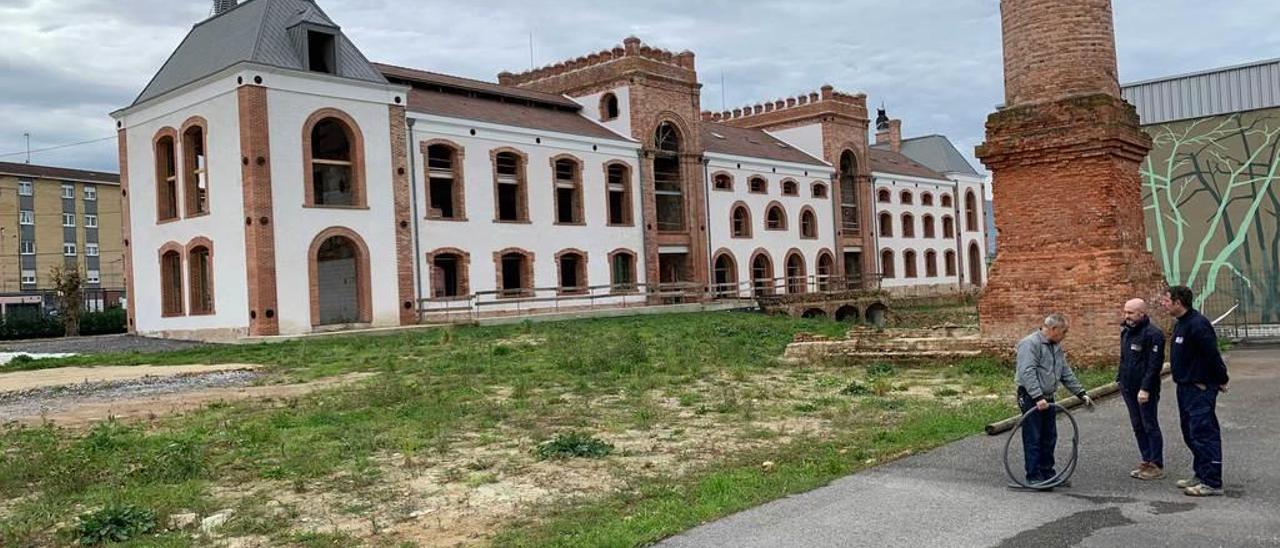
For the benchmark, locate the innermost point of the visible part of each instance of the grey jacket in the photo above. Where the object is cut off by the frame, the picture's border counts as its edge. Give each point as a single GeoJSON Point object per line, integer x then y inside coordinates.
{"type": "Point", "coordinates": [1041, 364]}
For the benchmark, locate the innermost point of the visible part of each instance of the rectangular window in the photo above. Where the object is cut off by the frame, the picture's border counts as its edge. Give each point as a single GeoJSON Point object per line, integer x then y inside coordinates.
{"type": "Point", "coordinates": [90, 250]}
{"type": "Point", "coordinates": [69, 219]}
{"type": "Point", "coordinates": [90, 193]}
{"type": "Point", "coordinates": [26, 217]}
{"type": "Point", "coordinates": [618, 182]}
{"type": "Point", "coordinates": [93, 277]}
{"type": "Point", "coordinates": [69, 249]}
{"type": "Point", "coordinates": [320, 52]}
{"type": "Point", "coordinates": [25, 188]}
{"type": "Point", "coordinates": [91, 221]}
{"type": "Point", "coordinates": [27, 247]}
{"type": "Point", "coordinates": [29, 277]}
{"type": "Point", "coordinates": [68, 192]}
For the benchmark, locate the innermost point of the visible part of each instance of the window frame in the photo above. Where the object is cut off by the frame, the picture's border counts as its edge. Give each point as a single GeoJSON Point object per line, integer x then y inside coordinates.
{"type": "Point", "coordinates": [92, 249]}
{"type": "Point", "coordinates": [26, 217]}
{"type": "Point", "coordinates": [356, 153]}
{"type": "Point", "coordinates": [70, 249]}
{"type": "Point", "coordinates": [26, 188]}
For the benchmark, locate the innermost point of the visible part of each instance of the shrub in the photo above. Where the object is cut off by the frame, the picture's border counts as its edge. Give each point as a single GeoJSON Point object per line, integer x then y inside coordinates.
{"type": "Point", "coordinates": [855, 388]}
{"type": "Point", "coordinates": [573, 444]}
{"type": "Point", "coordinates": [29, 325]}
{"type": "Point", "coordinates": [114, 523]}
{"type": "Point", "coordinates": [107, 322]}
{"type": "Point", "coordinates": [881, 369]}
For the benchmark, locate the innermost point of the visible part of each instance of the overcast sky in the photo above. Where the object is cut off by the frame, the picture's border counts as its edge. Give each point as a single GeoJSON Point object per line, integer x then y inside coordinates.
{"type": "Point", "coordinates": [65, 64]}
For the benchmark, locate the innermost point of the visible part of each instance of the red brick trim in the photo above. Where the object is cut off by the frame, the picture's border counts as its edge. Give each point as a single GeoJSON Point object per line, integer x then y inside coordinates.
{"type": "Point", "coordinates": [355, 139]}
{"type": "Point", "coordinates": [806, 210]}
{"type": "Point", "coordinates": [522, 177]}
{"type": "Point", "coordinates": [728, 176]}
{"type": "Point", "coordinates": [764, 188]}
{"type": "Point", "coordinates": [464, 271]}
{"type": "Point", "coordinates": [628, 194]}
{"type": "Point", "coordinates": [769, 207]}
{"type": "Point", "coordinates": [795, 187]}
{"type": "Point", "coordinates": [160, 176]}
{"type": "Point", "coordinates": [459, 179]}
{"type": "Point", "coordinates": [259, 233]}
{"type": "Point", "coordinates": [819, 190]}
{"type": "Point", "coordinates": [582, 272]}
{"type": "Point", "coordinates": [167, 284]}
{"type": "Point", "coordinates": [199, 241]}
{"type": "Point", "coordinates": [526, 288]}
{"type": "Point", "coordinates": [364, 301]}
{"type": "Point", "coordinates": [615, 288]}
{"type": "Point", "coordinates": [733, 210]}
{"type": "Point", "coordinates": [186, 176]}
{"type": "Point", "coordinates": [579, 197]}
{"type": "Point", "coordinates": [403, 215]}
{"type": "Point", "coordinates": [768, 276]}
{"type": "Point", "coordinates": [122, 141]}
{"type": "Point", "coordinates": [884, 196]}
{"type": "Point", "coordinates": [802, 278]}
{"type": "Point", "coordinates": [604, 106]}
{"type": "Point", "coordinates": [906, 198]}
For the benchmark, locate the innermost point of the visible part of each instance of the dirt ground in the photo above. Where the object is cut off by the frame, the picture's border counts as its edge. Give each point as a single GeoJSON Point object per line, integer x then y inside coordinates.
{"type": "Point", "coordinates": [40, 378]}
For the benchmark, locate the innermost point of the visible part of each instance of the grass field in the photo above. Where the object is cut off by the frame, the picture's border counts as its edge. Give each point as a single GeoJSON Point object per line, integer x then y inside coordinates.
{"type": "Point", "coordinates": [610, 432]}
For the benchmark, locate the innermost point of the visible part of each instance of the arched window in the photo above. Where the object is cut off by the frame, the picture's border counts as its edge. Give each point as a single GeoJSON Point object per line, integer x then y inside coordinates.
{"type": "Point", "coordinates": [445, 195]}
{"type": "Point", "coordinates": [200, 280]}
{"type": "Point", "coordinates": [926, 199]}
{"type": "Point", "coordinates": [340, 282]}
{"type": "Point", "coordinates": [931, 264]}
{"type": "Point", "coordinates": [568, 191]}
{"type": "Point", "coordinates": [905, 197]}
{"type": "Point", "coordinates": [334, 159]}
{"type": "Point", "coordinates": [849, 191]}
{"type": "Point", "coordinates": [166, 176]}
{"type": "Point", "coordinates": [171, 303]}
{"type": "Point", "coordinates": [725, 275]}
{"type": "Point", "coordinates": [775, 218]}
{"type": "Point", "coordinates": [970, 212]}
{"type": "Point", "coordinates": [948, 227]}
{"type": "Point", "coordinates": [722, 181]}
{"type": "Point", "coordinates": [826, 268]}
{"type": "Point", "coordinates": [572, 264]}
{"type": "Point", "coordinates": [808, 224]}
{"type": "Point", "coordinates": [886, 225]}
{"type": "Point", "coordinates": [909, 263]}
{"type": "Point", "coordinates": [975, 265]}
{"type": "Point", "coordinates": [618, 185]}
{"type": "Point", "coordinates": [449, 277]}
{"type": "Point", "coordinates": [945, 201]}
{"type": "Point", "coordinates": [908, 226]}
{"type": "Point", "coordinates": [929, 232]}
{"type": "Point", "coordinates": [886, 264]}
{"type": "Point", "coordinates": [884, 196]}
{"type": "Point", "coordinates": [622, 271]}
{"type": "Point", "coordinates": [195, 174]}
{"type": "Point", "coordinates": [790, 188]}
{"type": "Point", "coordinates": [796, 274]}
{"type": "Point", "coordinates": [950, 258]}
{"type": "Point", "coordinates": [510, 187]}
{"type": "Point", "coordinates": [758, 185]}
{"type": "Point", "coordinates": [668, 180]}
{"type": "Point", "coordinates": [762, 274]}
{"type": "Point", "coordinates": [608, 107]}
{"type": "Point", "coordinates": [741, 221]}
{"type": "Point", "coordinates": [515, 273]}
{"type": "Point", "coordinates": [818, 190]}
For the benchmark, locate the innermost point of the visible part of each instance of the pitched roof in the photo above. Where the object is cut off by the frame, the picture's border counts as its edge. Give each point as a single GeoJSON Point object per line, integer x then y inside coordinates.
{"type": "Point", "coordinates": [752, 143]}
{"type": "Point", "coordinates": [428, 79]}
{"type": "Point", "coordinates": [59, 173]}
{"type": "Point", "coordinates": [524, 115]}
{"type": "Point", "coordinates": [935, 152]}
{"type": "Point", "coordinates": [888, 161]}
{"type": "Point", "coordinates": [258, 31]}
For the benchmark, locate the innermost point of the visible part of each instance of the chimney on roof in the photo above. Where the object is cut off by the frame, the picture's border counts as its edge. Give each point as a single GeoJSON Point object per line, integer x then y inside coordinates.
{"type": "Point", "coordinates": [888, 131]}
{"type": "Point", "coordinates": [222, 6]}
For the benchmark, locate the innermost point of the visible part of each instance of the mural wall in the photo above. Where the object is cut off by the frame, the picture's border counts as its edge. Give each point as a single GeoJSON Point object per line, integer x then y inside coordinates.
{"type": "Point", "coordinates": [1211, 189]}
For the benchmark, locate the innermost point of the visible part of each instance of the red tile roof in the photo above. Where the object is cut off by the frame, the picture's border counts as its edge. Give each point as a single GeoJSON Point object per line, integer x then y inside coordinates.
{"type": "Point", "coordinates": [423, 78]}
{"type": "Point", "coordinates": [59, 173]}
{"type": "Point", "coordinates": [752, 143]}
{"type": "Point", "coordinates": [888, 161]}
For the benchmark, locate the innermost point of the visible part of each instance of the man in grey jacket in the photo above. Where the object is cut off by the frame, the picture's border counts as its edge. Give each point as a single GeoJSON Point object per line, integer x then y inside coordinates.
{"type": "Point", "coordinates": [1041, 366]}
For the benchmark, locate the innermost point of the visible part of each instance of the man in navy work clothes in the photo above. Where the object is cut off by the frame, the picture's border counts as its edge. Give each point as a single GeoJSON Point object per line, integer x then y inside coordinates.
{"type": "Point", "coordinates": [1141, 359]}
{"type": "Point", "coordinates": [1200, 374]}
{"type": "Point", "coordinates": [1041, 366]}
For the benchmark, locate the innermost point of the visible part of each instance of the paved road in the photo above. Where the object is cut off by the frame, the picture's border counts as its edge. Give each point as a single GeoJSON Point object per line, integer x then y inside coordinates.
{"type": "Point", "coordinates": [956, 495]}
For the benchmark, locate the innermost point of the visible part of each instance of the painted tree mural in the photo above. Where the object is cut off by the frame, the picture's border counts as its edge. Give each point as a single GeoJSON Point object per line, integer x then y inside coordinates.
{"type": "Point", "coordinates": [1213, 206]}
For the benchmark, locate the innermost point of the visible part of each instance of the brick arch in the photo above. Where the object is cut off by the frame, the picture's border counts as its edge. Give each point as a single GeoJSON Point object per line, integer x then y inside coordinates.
{"type": "Point", "coordinates": [199, 241]}
{"type": "Point", "coordinates": [464, 268]}
{"type": "Point", "coordinates": [824, 253]}
{"type": "Point", "coordinates": [527, 272]}
{"type": "Point", "coordinates": [764, 189]}
{"type": "Point", "coordinates": [734, 209]}
{"type": "Point", "coordinates": [604, 106]}
{"type": "Point", "coordinates": [906, 197]}
{"type": "Point", "coordinates": [522, 175]}
{"type": "Point", "coordinates": [355, 139]}
{"type": "Point", "coordinates": [819, 190]}
{"type": "Point", "coordinates": [583, 284]}
{"type": "Point", "coordinates": [807, 210]}
{"type": "Point", "coordinates": [926, 198]}
{"type": "Point", "coordinates": [725, 253]}
{"type": "Point", "coordinates": [769, 207]}
{"type": "Point", "coordinates": [718, 174]}
{"type": "Point", "coordinates": [172, 289]}
{"type": "Point", "coordinates": [459, 177]}
{"type": "Point", "coordinates": [782, 186]}
{"type": "Point", "coordinates": [682, 126]}
{"type": "Point", "coordinates": [578, 210]}
{"type": "Point", "coordinates": [800, 281]}
{"type": "Point", "coordinates": [884, 196]}
{"type": "Point", "coordinates": [162, 189]}
{"type": "Point", "coordinates": [188, 184]}
{"type": "Point", "coordinates": [632, 286]}
{"type": "Point", "coordinates": [364, 297]}
{"type": "Point", "coordinates": [759, 253]}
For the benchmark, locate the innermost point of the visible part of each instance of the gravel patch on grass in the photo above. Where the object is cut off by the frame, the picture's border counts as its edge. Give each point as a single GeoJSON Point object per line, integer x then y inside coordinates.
{"type": "Point", "coordinates": [25, 403]}
{"type": "Point", "coordinates": [98, 344]}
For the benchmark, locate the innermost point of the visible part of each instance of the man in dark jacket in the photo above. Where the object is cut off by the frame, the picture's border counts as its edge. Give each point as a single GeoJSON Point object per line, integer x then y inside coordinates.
{"type": "Point", "coordinates": [1200, 374]}
{"type": "Point", "coordinates": [1141, 359]}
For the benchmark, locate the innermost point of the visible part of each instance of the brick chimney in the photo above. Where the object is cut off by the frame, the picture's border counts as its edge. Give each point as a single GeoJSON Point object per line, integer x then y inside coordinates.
{"type": "Point", "coordinates": [888, 131]}
{"type": "Point", "coordinates": [222, 6]}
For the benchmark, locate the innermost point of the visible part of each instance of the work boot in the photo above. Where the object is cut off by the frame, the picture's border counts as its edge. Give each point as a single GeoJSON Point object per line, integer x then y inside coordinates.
{"type": "Point", "coordinates": [1137, 472]}
{"type": "Point", "coordinates": [1188, 483]}
{"type": "Point", "coordinates": [1152, 472]}
{"type": "Point", "coordinates": [1202, 490]}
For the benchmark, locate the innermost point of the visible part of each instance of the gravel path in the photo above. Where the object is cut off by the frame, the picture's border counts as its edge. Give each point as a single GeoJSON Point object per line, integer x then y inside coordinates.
{"type": "Point", "coordinates": [45, 400]}
{"type": "Point", "coordinates": [101, 343]}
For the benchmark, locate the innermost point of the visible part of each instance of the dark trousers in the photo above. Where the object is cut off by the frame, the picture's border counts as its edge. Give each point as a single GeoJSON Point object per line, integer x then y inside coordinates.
{"type": "Point", "coordinates": [1039, 439]}
{"type": "Point", "coordinates": [1197, 410]}
{"type": "Point", "coordinates": [1146, 425]}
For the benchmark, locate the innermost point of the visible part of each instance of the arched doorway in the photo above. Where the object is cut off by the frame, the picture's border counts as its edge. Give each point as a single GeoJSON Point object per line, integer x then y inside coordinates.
{"type": "Point", "coordinates": [797, 278]}
{"type": "Point", "coordinates": [877, 314]}
{"type": "Point", "coordinates": [340, 279]}
{"type": "Point", "coordinates": [975, 265]}
{"type": "Point", "coordinates": [847, 313]}
{"type": "Point", "coordinates": [762, 275]}
{"type": "Point", "coordinates": [726, 276]}
{"type": "Point", "coordinates": [814, 313]}
{"type": "Point", "coordinates": [825, 266]}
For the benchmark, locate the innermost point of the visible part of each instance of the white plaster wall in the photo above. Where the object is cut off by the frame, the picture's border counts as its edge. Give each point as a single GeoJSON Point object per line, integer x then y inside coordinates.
{"type": "Point", "coordinates": [591, 109]}
{"type": "Point", "coordinates": [899, 244]}
{"type": "Point", "coordinates": [776, 243]}
{"type": "Point", "coordinates": [480, 236]}
{"type": "Point", "coordinates": [216, 101]}
{"type": "Point", "coordinates": [979, 236]}
{"type": "Point", "coordinates": [807, 138]}
{"type": "Point", "coordinates": [290, 101]}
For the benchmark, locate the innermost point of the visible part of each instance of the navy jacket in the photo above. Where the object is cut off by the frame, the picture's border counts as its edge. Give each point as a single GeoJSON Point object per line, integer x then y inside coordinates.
{"type": "Point", "coordinates": [1141, 357]}
{"type": "Point", "coordinates": [1193, 352]}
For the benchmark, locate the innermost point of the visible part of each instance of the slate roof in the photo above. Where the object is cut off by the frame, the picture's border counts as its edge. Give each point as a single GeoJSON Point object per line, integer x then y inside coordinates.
{"type": "Point", "coordinates": [936, 152]}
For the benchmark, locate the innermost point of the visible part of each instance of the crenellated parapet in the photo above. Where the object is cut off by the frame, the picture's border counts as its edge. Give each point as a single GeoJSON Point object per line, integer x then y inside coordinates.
{"type": "Point", "coordinates": [780, 112]}
{"type": "Point", "coordinates": [680, 65]}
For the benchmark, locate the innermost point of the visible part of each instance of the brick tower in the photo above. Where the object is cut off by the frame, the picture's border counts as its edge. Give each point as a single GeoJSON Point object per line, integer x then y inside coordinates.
{"type": "Point", "coordinates": [1064, 152]}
